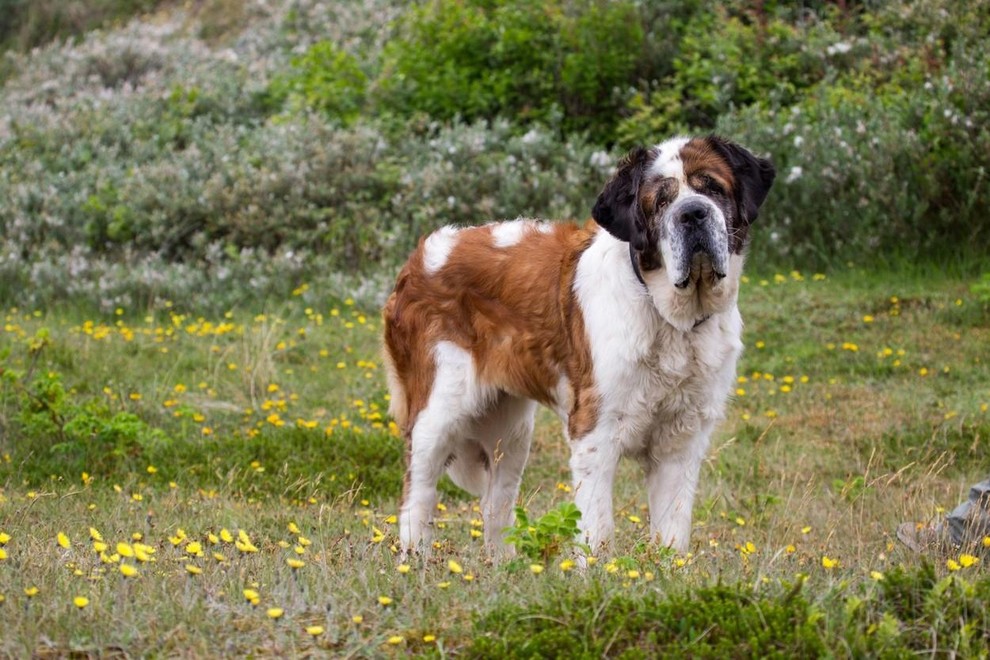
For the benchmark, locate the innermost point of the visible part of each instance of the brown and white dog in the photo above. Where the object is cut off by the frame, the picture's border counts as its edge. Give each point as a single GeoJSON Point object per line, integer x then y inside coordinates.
{"type": "Point", "coordinates": [629, 330]}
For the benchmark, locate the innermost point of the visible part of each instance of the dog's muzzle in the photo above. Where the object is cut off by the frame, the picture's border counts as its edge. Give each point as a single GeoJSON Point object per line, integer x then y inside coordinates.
{"type": "Point", "coordinates": [698, 228]}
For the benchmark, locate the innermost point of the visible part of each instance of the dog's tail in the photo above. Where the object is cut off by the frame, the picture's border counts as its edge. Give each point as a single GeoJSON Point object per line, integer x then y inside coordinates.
{"type": "Point", "coordinates": [398, 405]}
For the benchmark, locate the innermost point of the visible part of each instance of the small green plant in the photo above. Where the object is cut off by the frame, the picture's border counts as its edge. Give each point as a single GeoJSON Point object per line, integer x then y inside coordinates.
{"type": "Point", "coordinates": [850, 489]}
{"type": "Point", "coordinates": [81, 432]}
{"type": "Point", "coordinates": [551, 534]}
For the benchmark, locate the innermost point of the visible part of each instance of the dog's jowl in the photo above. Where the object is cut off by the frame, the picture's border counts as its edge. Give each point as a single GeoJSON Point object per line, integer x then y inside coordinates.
{"type": "Point", "coordinates": [627, 328]}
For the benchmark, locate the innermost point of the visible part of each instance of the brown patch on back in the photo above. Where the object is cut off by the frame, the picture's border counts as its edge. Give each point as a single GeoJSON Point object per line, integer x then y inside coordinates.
{"type": "Point", "coordinates": [513, 308]}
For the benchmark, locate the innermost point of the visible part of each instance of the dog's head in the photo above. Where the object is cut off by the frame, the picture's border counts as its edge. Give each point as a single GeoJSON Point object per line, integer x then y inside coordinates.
{"type": "Point", "coordinates": [685, 207]}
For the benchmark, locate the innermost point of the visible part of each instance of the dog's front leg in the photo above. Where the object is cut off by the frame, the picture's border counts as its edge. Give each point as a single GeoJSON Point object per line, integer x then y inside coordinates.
{"type": "Point", "coordinates": [671, 481]}
{"type": "Point", "coordinates": [594, 458]}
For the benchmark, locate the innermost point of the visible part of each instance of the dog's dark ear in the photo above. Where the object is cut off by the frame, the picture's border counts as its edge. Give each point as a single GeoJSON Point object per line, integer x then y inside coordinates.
{"type": "Point", "coordinates": [617, 209]}
{"type": "Point", "coordinates": [753, 175]}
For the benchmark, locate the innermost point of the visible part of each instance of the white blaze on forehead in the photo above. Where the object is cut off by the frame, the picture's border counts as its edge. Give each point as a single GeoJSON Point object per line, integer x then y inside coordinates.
{"type": "Point", "coordinates": [437, 248]}
{"type": "Point", "coordinates": [668, 161]}
{"type": "Point", "coordinates": [507, 234]}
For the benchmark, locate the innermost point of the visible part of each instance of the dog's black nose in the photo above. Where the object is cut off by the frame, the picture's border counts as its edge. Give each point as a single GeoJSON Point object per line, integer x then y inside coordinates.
{"type": "Point", "coordinates": [695, 214]}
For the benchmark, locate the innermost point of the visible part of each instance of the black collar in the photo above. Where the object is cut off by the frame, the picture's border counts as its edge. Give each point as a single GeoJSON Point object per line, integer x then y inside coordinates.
{"type": "Point", "coordinates": [634, 260]}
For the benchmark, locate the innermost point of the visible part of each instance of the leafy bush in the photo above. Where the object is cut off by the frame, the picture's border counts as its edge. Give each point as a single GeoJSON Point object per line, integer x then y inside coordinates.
{"type": "Point", "coordinates": [325, 79]}
{"type": "Point", "coordinates": [886, 161]}
{"type": "Point", "coordinates": [750, 62]}
{"type": "Point", "coordinates": [162, 178]}
{"type": "Point", "coordinates": [528, 61]}
{"type": "Point", "coordinates": [76, 434]}
{"type": "Point", "coordinates": [877, 174]}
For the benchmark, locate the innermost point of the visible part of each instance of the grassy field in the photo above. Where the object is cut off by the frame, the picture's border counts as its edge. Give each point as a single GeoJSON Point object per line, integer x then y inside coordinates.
{"type": "Point", "coordinates": [178, 485]}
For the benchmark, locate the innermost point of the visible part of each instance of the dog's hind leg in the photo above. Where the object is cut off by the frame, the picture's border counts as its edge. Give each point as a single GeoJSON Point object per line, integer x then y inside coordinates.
{"type": "Point", "coordinates": [455, 400]}
{"type": "Point", "coordinates": [489, 460]}
{"type": "Point", "coordinates": [508, 432]}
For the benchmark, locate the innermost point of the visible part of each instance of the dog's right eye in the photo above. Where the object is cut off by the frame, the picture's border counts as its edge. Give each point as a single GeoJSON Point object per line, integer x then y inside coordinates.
{"type": "Point", "coordinates": [666, 191]}
{"type": "Point", "coordinates": [711, 186]}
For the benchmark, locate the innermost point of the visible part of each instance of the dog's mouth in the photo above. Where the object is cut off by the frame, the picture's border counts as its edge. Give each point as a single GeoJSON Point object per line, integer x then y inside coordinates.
{"type": "Point", "coordinates": [700, 260]}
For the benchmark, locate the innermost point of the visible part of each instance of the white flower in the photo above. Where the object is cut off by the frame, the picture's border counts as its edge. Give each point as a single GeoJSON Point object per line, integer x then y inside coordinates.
{"type": "Point", "coordinates": [600, 159]}
{"type": "Point", "coordinates": [794, 174]}
{"type": "Point", "coordinates": [840, 48]}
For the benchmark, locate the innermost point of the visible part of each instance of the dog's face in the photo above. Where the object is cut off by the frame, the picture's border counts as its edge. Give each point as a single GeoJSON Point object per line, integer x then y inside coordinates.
{"type": "Point", "coordinates": [685, 207]}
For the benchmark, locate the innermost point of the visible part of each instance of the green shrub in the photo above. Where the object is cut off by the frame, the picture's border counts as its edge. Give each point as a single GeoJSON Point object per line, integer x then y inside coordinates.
{"type": "Point", "coordinates": [726, 61]}
{"type": "Point", "coordinates": [522, 60]}
{"type": "Point", "coordinates": [325, 79]}
{"type": "Point", "coordinates": [875, 174]}
{"type": "Point", "coordinates": [69, 434]}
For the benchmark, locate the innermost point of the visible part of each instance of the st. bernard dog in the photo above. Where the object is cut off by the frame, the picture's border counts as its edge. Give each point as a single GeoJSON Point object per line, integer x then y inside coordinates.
{"type": "Point", "coordinates": [628, 329]}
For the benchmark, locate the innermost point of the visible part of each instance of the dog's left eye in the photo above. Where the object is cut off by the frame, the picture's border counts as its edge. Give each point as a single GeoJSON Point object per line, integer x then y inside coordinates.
{"type": "Point", "coordinates": [711, 186]}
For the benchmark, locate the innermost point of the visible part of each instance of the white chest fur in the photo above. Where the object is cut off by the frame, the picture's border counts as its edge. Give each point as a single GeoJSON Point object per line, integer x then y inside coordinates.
{"type": "Point", "coordinates": [661, 383]}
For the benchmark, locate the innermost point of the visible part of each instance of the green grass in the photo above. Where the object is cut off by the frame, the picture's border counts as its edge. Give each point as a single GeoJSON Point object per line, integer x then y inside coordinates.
{"type": "Point", "coordinates": [161, 424]}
